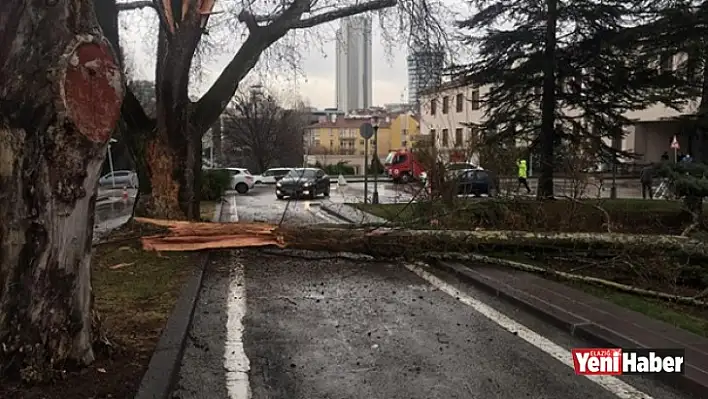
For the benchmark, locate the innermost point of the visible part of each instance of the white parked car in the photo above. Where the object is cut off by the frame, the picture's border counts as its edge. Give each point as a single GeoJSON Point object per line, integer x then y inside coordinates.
{"type": "Point", "coordinates": [271, 176]}
{"type": "Point", "coordinates": [241, 179]}
{"type": "Point", "coordinates": [120, 178]}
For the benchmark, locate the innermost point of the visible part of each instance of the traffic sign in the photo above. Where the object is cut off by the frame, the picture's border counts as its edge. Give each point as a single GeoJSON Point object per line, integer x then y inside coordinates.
{"type": "Point", "coordinates": [366, 130]}
{"type": "Point", "coordinates": [675, 144]}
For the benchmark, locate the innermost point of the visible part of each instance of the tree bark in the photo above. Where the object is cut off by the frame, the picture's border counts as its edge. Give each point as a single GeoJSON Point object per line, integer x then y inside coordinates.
{"type": "Point", "coordinates": [60, 96]}
{"type": "Point", "coordinates": [548, 105]}
{"type": "Point", "coordinates": [190, 236]}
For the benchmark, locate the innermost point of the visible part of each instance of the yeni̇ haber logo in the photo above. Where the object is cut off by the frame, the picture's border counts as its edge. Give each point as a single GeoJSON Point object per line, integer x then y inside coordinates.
{"type": "Point", "coordinates": [617, 361]}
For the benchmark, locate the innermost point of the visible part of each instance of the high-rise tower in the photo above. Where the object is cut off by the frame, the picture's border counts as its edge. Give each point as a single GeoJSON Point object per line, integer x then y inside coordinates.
{"type": "Point", "coordinates": [354, 80]}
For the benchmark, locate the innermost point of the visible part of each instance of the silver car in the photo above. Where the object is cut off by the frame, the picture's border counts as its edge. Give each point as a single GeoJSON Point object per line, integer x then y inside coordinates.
{"type": "Point", "coordinates": [120, 178]}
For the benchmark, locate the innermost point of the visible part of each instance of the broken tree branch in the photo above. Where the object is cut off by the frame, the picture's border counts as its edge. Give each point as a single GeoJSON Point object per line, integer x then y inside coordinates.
{"type": "Point", "coordinates": [397, 243]}
{"type": "Point", "coordinates": [693, 301]}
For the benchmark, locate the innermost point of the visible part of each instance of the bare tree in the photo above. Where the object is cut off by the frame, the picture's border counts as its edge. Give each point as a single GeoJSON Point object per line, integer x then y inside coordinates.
{"type": "Point", "coordinates": [270, 134]}
{"type": "Point", "coordinates": [172, 146]}
{"type": "Point", "coordinates": [61, 90]}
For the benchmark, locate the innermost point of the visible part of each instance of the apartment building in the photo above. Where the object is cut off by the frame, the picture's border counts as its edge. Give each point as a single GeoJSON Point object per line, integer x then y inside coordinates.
{"type": "Point", "coordinates": [445, 110]}
{"type": "Point", "coordinates": [338, 139]}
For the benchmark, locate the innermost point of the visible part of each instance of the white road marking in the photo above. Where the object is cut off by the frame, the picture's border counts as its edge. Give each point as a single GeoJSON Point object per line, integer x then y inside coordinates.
{"type": "Point", "coordinates": [612, 384]}
{"type": "Point", "coordinates": [233, 209]}
{"type": "Point", "coordinates": [236, 362]}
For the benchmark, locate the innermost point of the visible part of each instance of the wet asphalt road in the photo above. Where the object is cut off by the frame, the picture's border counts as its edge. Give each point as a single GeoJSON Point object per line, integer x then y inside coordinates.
{"type": "Point", "coordinates": [274, 324]}
{"type": "Point", "coordinates": [261, 205]}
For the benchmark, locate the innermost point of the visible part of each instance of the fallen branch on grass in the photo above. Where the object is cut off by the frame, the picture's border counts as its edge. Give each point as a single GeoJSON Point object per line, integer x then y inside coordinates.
{"type": "Point", "coordinates": [391, 243]}
{"type": "Point", "coordinates": [608, 220]}
{"type": "Point", "coordinates": [693, 301]}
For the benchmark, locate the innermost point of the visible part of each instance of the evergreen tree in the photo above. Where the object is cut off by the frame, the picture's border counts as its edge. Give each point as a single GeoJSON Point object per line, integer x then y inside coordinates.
{"type": "Point", "coordinates": [678, 29]}
{"type": "Point", "coordinates": [559, 71]}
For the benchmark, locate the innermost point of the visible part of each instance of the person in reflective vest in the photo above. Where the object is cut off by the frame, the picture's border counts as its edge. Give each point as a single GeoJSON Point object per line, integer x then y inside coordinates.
{"type": "Point", "coordinates": [521, 164]}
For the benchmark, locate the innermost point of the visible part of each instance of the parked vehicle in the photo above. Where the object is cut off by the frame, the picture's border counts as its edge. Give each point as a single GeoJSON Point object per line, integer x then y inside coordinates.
{"type": "Point", "coordinates": [402, 166]}
{"type": "Point", "coordinates": [271, 176]}
{"type": "Point", "coordinates": [298, 182]}
{"type": "Point", "coordinates": [122, 178]}
{"type": "Point", "coordinates": [477, 182]}
{"type": "Point", "coordinates": [241, 179]}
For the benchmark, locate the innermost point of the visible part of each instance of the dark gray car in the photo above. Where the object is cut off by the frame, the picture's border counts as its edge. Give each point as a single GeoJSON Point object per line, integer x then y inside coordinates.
{"type": "Point", "coordinates": [303, 182]}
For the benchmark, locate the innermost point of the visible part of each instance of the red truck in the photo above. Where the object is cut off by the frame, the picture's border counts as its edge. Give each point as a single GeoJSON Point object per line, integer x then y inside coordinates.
{"type": "Point", "coordinates": [402, 166]}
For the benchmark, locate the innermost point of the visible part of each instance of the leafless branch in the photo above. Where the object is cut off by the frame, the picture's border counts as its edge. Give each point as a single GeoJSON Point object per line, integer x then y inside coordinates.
{"type": "Point", "coordinates": [135, 5]}
{"type": "Point", "coordinates": [342, 13]}
{"type": "Point", "coordinates": [249, 19]}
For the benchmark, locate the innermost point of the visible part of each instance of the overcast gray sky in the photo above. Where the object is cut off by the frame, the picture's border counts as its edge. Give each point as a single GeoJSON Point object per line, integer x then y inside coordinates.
{"type": "Point", "coordinates": [316, 81]}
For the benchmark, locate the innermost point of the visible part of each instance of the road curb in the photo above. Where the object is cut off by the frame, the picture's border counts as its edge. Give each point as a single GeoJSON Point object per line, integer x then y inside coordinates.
{"type": "Point", "coordinates": [575, 325]}
{"type": "Point", "coordinates": [163, 370]}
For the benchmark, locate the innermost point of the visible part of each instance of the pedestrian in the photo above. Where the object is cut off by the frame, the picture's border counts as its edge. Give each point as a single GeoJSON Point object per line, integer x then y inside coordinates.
{"type": "Point", "coordinates": [646, 177]}
{"type": "Point", "coordinates": [665, 156]}
{"type": "Point", "coordinates": [521, 164]}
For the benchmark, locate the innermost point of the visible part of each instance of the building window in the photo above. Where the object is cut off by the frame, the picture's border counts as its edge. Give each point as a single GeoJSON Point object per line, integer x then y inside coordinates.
{"type": "Point", "coordinates": [666, 63]}
{"type": "Point", "coordinates": [475, 99]}
{"type": "Point", "coordinates": [445, 138]}
{"type": "Point", "coordinates": [458, 102]}
{"type": "Point", "coordinates": [433, 106]}
{"type": "Point", "coordinates": [474, 132]}
{"type": "Point", "coordinates": [404, 143]}
{"type": "Point", "coordinates": [446, 104]}
{"type": "Point", "coordinates": [458, 137]}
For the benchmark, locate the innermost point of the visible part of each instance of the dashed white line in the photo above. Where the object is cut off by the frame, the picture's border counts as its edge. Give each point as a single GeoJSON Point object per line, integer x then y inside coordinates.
{"type": "Point", "coordinates": [612, 384]}
{"type": "Point", "coordinates": [236, 362]}
{"type": "Point", "coordinates": [233, 209]}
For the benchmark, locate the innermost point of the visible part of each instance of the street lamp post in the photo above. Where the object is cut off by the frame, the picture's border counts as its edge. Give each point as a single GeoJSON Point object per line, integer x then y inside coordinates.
{"type": "Point", "coordinates": [375, 195]}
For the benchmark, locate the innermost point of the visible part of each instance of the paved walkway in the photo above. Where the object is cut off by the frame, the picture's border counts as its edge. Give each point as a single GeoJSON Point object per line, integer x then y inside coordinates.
{"type": "Point", "coordinates": [590, 317]}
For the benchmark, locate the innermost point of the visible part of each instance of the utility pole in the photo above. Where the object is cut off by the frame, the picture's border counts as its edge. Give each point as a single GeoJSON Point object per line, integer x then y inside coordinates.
{"type": "Point", "coordinates": [375, 124]}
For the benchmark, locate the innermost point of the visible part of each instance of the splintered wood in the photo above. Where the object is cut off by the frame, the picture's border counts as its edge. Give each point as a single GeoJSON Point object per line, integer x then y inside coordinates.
{"type": "Point", "coordinates": [191, 236]}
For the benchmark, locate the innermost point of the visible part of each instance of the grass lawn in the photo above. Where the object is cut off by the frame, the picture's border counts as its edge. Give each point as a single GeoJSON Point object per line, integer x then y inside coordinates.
{"type": "Point", "coordinates": [626, 215]}
{"type": "Point", "coordinates": [688, 318]}
{"type": "Point", "coordinates": [134, 295]}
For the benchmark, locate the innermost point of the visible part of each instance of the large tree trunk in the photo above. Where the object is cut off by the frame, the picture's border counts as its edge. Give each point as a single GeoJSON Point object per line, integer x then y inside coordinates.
{"type": "Point", "coordinates": [548, 105]}
{"type": "Point", "coordinates": [174, 153]}
{"type": "Point", "coordinates": [60, 97]}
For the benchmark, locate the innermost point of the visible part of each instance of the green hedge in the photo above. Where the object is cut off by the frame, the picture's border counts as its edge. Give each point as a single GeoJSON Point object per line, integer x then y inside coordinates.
{"type": "Point", "coordinates": [214, 183]}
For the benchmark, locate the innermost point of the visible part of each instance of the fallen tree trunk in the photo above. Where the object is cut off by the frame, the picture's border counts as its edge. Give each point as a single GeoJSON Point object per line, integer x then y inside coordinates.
{"type": "Point", "coordinates": [185, 236]}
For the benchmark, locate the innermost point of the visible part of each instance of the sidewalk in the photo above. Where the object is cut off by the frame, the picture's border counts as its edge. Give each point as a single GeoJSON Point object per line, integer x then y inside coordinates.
{"type": "Point", "coordinates": [349, 213]}
{"type": "Point", "coordinates": [591, 318]}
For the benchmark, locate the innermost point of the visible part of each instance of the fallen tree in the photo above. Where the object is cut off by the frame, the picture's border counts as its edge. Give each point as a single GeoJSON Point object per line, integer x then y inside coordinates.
{"type": "Point", "coordinates": [380, 242]}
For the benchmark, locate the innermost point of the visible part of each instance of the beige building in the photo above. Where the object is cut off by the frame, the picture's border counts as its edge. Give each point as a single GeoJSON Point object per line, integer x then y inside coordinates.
{"type": "Point", "coordinates": [444, 111]}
